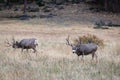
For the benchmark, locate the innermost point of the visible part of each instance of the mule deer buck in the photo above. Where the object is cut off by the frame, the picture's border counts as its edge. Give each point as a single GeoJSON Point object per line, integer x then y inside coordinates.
{"type": "Point", "coordinates": [29, 43]}
{"type": "Point", "coordinates": [83, 49]}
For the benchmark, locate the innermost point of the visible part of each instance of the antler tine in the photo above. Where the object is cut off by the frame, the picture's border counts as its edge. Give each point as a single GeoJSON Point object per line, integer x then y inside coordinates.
{"type": "Point", "coordinates": [79, 40]}
{"type": "Point", "coordinates": [67, 39]}
{"type": "Point", "coordinates": [9, 44]}
{"type": "Point", "coordinates": [7, 41]}
{"type": "Point", "coordinates": [13, 39]}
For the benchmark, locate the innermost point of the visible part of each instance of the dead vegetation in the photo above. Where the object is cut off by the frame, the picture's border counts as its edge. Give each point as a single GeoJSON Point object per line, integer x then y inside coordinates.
{"type": "Point", "coordinates": [55, 60]}
{"type": "Point", "coordinates": [89, 39]}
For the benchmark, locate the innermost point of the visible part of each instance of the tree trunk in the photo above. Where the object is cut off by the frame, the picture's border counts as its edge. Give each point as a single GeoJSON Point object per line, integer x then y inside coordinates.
{"type": "Point", "coordinates": [106, 5]}
{"type": "Point", "coordinates": [25, 5]}
{"type": "Point", "coordinates": [7, 2]}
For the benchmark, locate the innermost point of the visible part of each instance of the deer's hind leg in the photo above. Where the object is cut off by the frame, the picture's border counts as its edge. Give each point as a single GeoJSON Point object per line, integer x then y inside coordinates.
{"type": "Point", "coordinates": [27, 50]}
{"type": "Point", "coordinates": [96, 58]}
{"type": "Point", "coordinates": [94, 55]}
{"type": "Point", "coordinates": [34, 50]}
{"type": "Point", "coordinates": [22, 50]}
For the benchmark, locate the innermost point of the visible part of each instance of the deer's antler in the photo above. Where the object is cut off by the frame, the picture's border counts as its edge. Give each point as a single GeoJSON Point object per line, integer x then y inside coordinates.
{"type": "Point", "coordinates": [8, 43]}
{"type": "Point", "coordinates": [68, 43]}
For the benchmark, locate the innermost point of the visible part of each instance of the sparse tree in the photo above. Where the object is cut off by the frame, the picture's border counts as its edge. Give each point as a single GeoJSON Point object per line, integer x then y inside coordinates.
{"type": "Point", "coordinates": [25, 5]}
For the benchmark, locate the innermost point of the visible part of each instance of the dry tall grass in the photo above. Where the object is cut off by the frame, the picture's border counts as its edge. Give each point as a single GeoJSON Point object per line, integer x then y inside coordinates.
{"type": "Point", "coordinates": [54, 60]}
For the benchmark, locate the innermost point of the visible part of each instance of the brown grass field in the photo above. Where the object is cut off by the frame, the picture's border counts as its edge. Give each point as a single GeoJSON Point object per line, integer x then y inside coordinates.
{"type": "Point", "coordinates": [54, 59]}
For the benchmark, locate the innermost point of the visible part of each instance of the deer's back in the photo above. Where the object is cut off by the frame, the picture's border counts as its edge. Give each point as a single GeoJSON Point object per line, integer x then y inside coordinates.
{"type": "Point", "coordinates": [27, 42]}
{"type": "Point", "coordinates": [88, 48]}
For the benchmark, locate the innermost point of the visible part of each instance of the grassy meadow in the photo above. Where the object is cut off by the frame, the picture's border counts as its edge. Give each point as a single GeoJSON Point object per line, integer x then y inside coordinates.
{"type": "Point", "coordinates": [54, 59]}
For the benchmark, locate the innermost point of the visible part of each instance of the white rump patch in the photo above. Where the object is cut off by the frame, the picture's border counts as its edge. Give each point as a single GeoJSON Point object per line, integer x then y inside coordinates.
{"type": "Point", "coordinates": [36, 42]}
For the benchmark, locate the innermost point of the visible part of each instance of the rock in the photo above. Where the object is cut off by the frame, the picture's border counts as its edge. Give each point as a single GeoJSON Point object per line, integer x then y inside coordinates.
{"type": "Point", "coordinates": [47, 1]}
{"type": "Point", "coordinates": [16, 9]}
{"type": "Point", "coordinates": [24, 17]}
{"type": "Point", "coordinates": [58, 2]}
{"type": "Point", "coordinates": [60, 7]}
{"type": "Point", "coordinates": [47, 8]}
{"type": "Point", "coordinates": [102, 24]}
{"type": "Point", "coordinates": [101, 27]}
{"type": "Point", "coordinates": [50, 15]}
{"type": "Point", "coordinates": [108, 23]}
{"type": "Point", "coordinates": [99, 23]}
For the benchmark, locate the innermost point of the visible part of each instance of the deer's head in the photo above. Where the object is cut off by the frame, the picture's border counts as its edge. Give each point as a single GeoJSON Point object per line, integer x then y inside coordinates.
{"type": "Point", "coordinates": [75, 48]}
{"type": "Point", "coordinates": [14, 43]}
